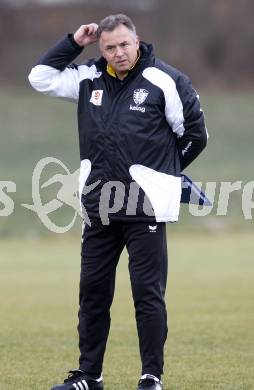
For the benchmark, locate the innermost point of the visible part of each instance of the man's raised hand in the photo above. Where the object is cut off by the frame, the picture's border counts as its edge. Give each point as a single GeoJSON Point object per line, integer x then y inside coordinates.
{"type": "Point", "coordinates": [86, 34]}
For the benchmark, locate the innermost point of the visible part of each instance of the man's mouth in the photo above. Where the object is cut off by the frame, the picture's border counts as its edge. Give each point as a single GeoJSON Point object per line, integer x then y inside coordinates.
{"type": "Point", "coordinates": [121, 62]}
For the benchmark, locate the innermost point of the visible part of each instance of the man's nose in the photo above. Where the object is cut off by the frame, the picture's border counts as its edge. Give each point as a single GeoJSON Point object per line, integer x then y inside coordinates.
{"type": "Point", "coordinates": [119, 51]}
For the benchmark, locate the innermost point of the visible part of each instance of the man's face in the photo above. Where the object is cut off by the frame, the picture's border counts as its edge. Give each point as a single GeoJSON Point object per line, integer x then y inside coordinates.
{"type": "Point", "coordinates": [119, 47]}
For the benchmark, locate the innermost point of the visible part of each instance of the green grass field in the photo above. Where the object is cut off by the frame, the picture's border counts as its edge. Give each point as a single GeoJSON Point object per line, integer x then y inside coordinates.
{"type": "Point", "coordinates": [210, 299]}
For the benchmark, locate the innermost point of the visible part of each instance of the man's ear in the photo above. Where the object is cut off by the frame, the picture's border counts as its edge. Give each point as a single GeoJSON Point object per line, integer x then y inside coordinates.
{"type": "Point", "coordinates": [99, 45]}
{"type": "Point", "coordinates": [137, 41]}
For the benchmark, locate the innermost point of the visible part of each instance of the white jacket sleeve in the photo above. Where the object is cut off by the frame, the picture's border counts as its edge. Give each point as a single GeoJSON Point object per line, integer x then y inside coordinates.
{"type": "Point", "coordinates": [53, 82]}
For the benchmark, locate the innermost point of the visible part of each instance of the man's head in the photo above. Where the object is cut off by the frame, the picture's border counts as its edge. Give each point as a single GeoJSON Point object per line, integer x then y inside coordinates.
{"type": "Point", "coordinates": [118, 42]}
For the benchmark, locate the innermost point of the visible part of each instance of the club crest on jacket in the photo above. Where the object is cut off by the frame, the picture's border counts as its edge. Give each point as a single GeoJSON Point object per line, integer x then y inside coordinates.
{"type": "Point", "coordinates": [139, 96]}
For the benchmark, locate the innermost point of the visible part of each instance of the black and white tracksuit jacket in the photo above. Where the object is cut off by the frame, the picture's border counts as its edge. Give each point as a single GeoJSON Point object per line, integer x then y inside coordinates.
{"type": "Point", "coordinates": [142, 130]}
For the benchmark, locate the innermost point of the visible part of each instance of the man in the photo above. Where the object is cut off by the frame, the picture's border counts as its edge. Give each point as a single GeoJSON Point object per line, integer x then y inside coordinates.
{"type": "Point", "coordinates": [140, 125]}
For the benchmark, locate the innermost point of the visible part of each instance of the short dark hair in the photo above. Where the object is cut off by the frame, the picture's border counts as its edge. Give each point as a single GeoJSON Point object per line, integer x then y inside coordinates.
{"type": "Point", "coordinates": [112, 21]}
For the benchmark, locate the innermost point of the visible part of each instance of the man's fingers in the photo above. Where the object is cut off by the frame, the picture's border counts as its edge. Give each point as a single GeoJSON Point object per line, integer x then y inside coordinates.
{"type": "Point", "coordinates": [90, 29]}
{"type": "Point", "coordinates": [86, 34]}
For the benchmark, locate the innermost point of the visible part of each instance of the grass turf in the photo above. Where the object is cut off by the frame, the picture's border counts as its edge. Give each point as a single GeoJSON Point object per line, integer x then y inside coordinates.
{"type": "Point", "coordinates": [210, 307]}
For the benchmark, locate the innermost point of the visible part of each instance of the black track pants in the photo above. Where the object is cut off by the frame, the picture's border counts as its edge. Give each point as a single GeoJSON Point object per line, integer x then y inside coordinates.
{"type": "Point", "coordinates": [101, 249]}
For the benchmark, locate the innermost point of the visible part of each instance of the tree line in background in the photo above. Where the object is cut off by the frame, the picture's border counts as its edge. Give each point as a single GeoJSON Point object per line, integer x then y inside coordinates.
{"type": "Point", "coordinates": [212, 41]}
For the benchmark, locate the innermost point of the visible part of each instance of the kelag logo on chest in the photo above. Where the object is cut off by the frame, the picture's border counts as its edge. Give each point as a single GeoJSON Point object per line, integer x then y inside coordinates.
{"type": "Point", "coordinates": [139, 97]}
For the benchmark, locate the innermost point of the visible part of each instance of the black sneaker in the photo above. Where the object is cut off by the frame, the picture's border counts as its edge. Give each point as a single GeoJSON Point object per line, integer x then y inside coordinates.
{"type": "Point", "coordinates": [78, 380]}
{"type": "Point", "coordinates": [149, 382]}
